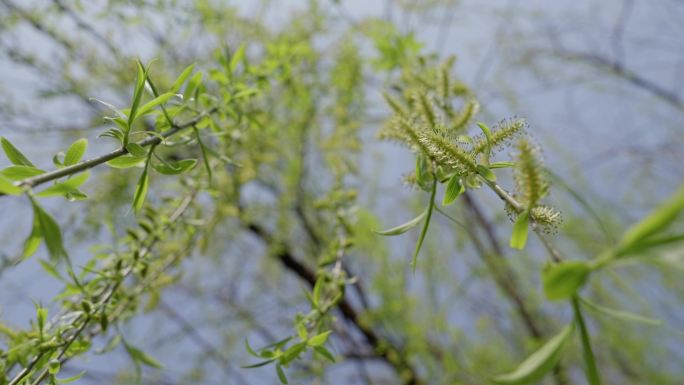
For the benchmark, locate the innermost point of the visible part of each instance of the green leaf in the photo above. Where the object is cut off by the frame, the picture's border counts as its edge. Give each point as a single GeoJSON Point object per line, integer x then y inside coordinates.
{"type": "Point", "coordinates": [181, 78]}
{"type": "Point", "coordinates": [486, 173]}
{"type": "Point", "coordinates": [324, 352]}
{"type": "Point", "coordinates": [50, 231]}
{"type": "Point", "coordinates": [520, 230]}
{"type": "Point", "coordinates": [138, 355]}
{"type": "Point", "coordinates": [292, 352]}
{"type": "Point", "coordinates": [426, 224]}
{"type": "Point", "coordinates": [75, 152]}
{"type": "Point", "coordinates": [590, 369]}
{"type": "Point", "coordinates": [454, 188]}
{"type": "Point", "coordinates": [319, 339]}
{"type": "Point", "coordinates": [7, 187]}
{"type": "Point", "coordinates": [623, 315]}
{"type": "Point", "coordinates": [258, 364]}
{"type": "Point", "coordinates": [126, 161]}
{"type": "Point", "coordinates": [403, 228]}
{"type": "Point", "coordinates": [562, 280]}
{"type": "Point", "coordinates": [177, 167]}
{"type": "Point", "coordinates": [13, 154]}
{"type": "Point", "coordinates": [281, 374]}
{"type": "Point", "coordinates": [147, 107]}
{"type": "Point", "coordinates": [192, 86]}
{"type": "Point", "coordinates": [237, 57]}
{"type": "Point", "coordinates": [137, 97]}
{"type": "Point", "coordinates": [657, 221]}
{"type": "Point", "coordinates": [488, 136]}
{"type": "Point", "coordinates": [50, 269]}
{"type": "Point", "coordinates": [538, 363]}
{"type": "Point", "coordinates": [141, 188]}
{"type": "Point", "coordinates": [136, 150]}
{"type": "Point", "coordinates": [32, 243]}
{"type": "Point", "coordinates": [70, 186]}
{"type": "Point", "coordinates": [205, 155]}
{"type": "Point", "coordinates": [18, 173]}
{"type": "Point", "coordinates": [70, 379]}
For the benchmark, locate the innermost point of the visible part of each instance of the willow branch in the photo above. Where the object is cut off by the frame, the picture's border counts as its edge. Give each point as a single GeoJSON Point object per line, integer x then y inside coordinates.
{"type": "Point", "coordinates": [90, 163]}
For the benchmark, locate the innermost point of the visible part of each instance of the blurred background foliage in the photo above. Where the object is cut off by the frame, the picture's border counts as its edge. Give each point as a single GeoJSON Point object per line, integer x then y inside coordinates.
{"type": "Point", "coordinates": [299, 176]}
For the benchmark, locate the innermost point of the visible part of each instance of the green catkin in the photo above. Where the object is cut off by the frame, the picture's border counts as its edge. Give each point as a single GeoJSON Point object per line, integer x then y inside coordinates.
{"type": "Point", "coordinates": [394, 104]}
{"type": "Point", "coordinates": [427, 112]}
{"type": "Point", "coordinates": [531, 184]}
{"type": "Point", "coordinates": [501, 134]}
{"type": "Point", "coordinates": [465, 115]}
{"type": "Point", "coordinates": [446, 153]}
{"type": "Point", "coordinates": [547, 217]}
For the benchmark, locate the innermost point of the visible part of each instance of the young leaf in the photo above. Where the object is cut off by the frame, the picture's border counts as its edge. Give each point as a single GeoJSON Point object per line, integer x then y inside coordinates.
{"type": "Point", "coordinates": [136, 150]}
{"type": "Point", "coordinates": [70, 186]}
{"type": "Point", "coordinates": [141, 188]}
{"type": "Point", "coordinates": [486, 173]}
{"type": "Point", "coordinates": [562, 280]}
{"type": "Point", "coordinates": [319, 339]}
{"type": "Point", "coordinates": [258, 364]}
{"type": "Point", "coordinates": [281, 374]}
{"type": "Point", "coordinates": [237, 57]}
{"type": "Point", "coordinates": [147, 107]}
{"type": "Point", "coordinates": [173, 168]}
{"type": "Point", "coordinates": [520, 230]}
{"type": "Point", "coordinates": [181, 78]}
{"type": "Point", "coordinates": [292, 352]}
{"type": "Point", "coordinates": [32, 243]}
{"type": "Point", "coordinates": [192, 86]}
{"type": "Point", "coordinates": [13, 154]}
{"type": "Point", "coordinates": [539, 363]}
{"type": "Point", "coordinates": [125, 161]}
{"type": "Point", "coordinates": [7, 187]}
{"type": "Point", "coordinates": [17, 173]}
{"type": "Point", "coordinates": [426, 224]}
{"type": "Point", "coordinates": [496, 165]}
{"type": "Point", "coordinates": [403, 228]}
{"type": "Point", "coordinates": [623, 315]}
{"type": "Point", "coordinates": [324, 352]}
{"type": "Point", "coordinates": [139, 356]}
{"type": "Point", "coordinates": [590, 368]}
{"type": "Point", "coordinates": [658, 220]}
{"type": "Point", "coordinates": [137, 97]}
{"type": "Point", "coordinates": [205, 155]}
{"type": "Point", "coordinates": [75, 152]}
{"type": "Point", "coordinates": [488, 137]}
{"type": "Point", "coordinates": [50, 269]}
{"type": "Point", "coordinates": [454, 188]}
{"type": "Point", "coordinates": [50, 231]}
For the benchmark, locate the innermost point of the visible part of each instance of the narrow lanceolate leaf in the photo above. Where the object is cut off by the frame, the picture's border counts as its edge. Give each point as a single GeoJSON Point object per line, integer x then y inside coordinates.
{"type": "Point", "coordinates": [126, 161]}
{"type": "Point", "coordinates": [454, 188]}
{"type": "Point", "coordinates": [426, 224]}
{"type": "Point", "coordinates": [159, 100]}
{"type": "Point", "coordinates": [281, 374]}
{"type": "Point", "coordinates": [319, 339]}
{"type": "Point", "coordinates": [137, 97]}
{"type": "Point", "coordinates": [13, 154]}
{"type": "Point", "coordinates": [136, 150]}
{"type": "Point", "coordinates": [495, 165]}
{"type": "Point", "coordinates": [237, 57]}
{"type": "Point", "coordinates": [71, 185]}
{"type": "Point", "coordinates": [32, 243]}
{"type": "Point", "coordinates": [591, 371]}
{"type": "Point", "coordinates": [325, 353]}
{"type": "Point", "coordinates": [141, 189]}
{"type": "Point", "coordinates": [182, 78]}
{"type": "Point", "coordinates": [658, 220]}
{"type": "Point", "coordinates": [173, 168]}
{"type": "Point", "coordinates": [75, 152]}
{"type": "Point", "coordinates": [141, 357]}
{"type": "Point", "coordinates": [488, 140]}
{"type": "Point", "coordinates": [539, 363]}
{"type": "Point", "coordinates": [520, 230]}
{"type": "Point", "coordinates": [620, 314]}
{"type": "Point", "coordinates": [193, 83]}
{"type": "Point", "coordinates": [8, 187]}
{"type": "Point", "coordinates": [17, 173]}
{"type": "Point", "coordinates": [50, 231]}
{"type": "Point", "coordinates": [70, 379]}
{"type": "Point", "coordinates": [486, 173]}
{"type": "Point", "coordinates": [405, 227]}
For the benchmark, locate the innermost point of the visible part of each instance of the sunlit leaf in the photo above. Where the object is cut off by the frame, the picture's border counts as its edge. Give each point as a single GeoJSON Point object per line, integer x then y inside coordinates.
{"type": "Point", "coordinates": [562, 280]}
{"type": "Point", "coordinates": [13, 154]}
{"type": "Point", "coordinates": [75, 152]}
{"type": "Point", "coordinates": [520, 230]}
{"type": "Point", "coordinates": [404, 227]}
{"type": "Point", "coordinates": [454, 188]}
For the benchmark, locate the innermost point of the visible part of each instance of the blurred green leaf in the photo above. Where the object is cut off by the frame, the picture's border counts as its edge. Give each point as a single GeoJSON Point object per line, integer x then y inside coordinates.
{"type": "Point", "coordinates": [539, 363]}
{"type": "Point", "coordinates": [520, 230]}
{"type": "Point", "coordinates": [562, 280]}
